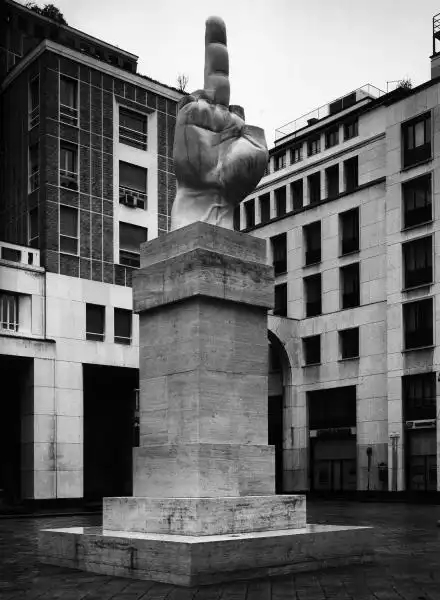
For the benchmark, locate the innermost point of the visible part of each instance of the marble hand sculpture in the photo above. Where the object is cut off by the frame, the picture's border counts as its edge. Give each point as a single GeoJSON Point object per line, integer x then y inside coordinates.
{"type": "Point", "coordinates": [218, 159]}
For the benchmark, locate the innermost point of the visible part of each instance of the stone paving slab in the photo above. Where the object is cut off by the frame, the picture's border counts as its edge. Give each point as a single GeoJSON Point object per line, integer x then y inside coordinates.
{"type": "Point", "coordinates": [407, 565]}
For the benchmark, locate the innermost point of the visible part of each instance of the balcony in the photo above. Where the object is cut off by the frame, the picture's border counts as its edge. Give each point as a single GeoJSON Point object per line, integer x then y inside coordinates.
{"type": "Point", "coordinates": [132, 198]}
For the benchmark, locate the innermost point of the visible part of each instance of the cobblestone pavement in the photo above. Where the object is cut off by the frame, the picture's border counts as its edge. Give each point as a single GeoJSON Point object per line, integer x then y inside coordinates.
{"type": "Point", "coordinates": [406, 567]}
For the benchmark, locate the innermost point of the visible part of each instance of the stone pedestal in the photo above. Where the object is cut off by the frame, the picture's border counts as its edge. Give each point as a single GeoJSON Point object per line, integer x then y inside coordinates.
{"type": "Point", "coordinates": [204, 506]}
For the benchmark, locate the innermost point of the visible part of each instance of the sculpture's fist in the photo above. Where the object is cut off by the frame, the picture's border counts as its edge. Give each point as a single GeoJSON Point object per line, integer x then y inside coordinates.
{"type": "Point", "coordinates": [218, 159]}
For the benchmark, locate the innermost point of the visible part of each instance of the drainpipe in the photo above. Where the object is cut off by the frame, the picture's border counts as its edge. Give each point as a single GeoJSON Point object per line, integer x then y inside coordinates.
{"type": "Point", "coordinates": [394, 460]}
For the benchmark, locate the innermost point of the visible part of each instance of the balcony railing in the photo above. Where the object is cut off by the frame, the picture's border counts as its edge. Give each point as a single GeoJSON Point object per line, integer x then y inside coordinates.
{"type": "Point", "coordinates": [69, 115]}
{"type": "Point", "coordinates": [133, 198]}
{"type": "Point", "coordinates": [133, 137]}
{"type": "Point", "coordinates": [34, 117]}
{"type": "Point", "coordinates": [69, 179]}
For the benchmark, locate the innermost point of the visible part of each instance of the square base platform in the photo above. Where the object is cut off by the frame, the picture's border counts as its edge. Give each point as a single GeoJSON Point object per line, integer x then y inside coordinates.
{"type": "Point", "coordinates": [190, 560]}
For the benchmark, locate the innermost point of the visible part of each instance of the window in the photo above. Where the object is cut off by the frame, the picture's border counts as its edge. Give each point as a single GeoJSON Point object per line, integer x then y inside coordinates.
{"type": "Point", "coordinates": [68, 166]}
{"type": "Point", "coordinates": [280, 161]}
{"type": "Point", "coordinates": [265, 208]}
{"type": "Point", "coordinates": [296, 189]}
{"type": "Point", "coordinates": [416, 140]}
{"type": "Point", "coordinates": [417, 323]}
{"type": "Point", "coordinates": [333, 407]}
{"type": "Point", "coordinates": [132, 129]}
{"type": "Point", "coordinates": [312, 242]}
{"type": "Point", "coordinates": [349, 228]}
{"type": "Point", "coordinates": [332, 181]}
{"type": "Point", "coordinates": [8, 311]}
{"type": "Point", "coordinates": [95, 322]}
{"type": "Point", "coordinates": [351, 129]}
{"type": "Point", "coordinates": [351, 174]}
{"type": "Point", "coordinates": [312, 294]}
{"type": "Point", "coordinates": [11, 254]}
{"type": "Point", "coordinates": [349, 342]}
{"type": "Point", "coordinates": [68, 100]}
{"type": "Point", "coordinates": [419, 397]}
{"type": "Point", "coordinates": [279, 253]}
{"type": "Point", "coordinates": [123, 320]}
{"type": "Point", "coordinates": [34, 168]}
{"type": "Point", "coordinates": [314, 188]}
{"type": "Point", "coordinates": [332, 137]}
{"type": "Point", "coordinates": [33, 228]}
{"type": "Point", "coordinates": [280, 201]}
{"type": "Point", "coordinates": [296, 154]}
{"type": "Point", "coordinates": [68, 229]}
{"type": "Point", "coordinates": [280, 307]}
{"type": "Point", "coordinates": [314, 145]}
{"type": "Point", "coordinates": [417, 259]}
{"type": "Point", "coordinates": [417, 201]}
{"type": "Point", "coordinates": [350, 285]}
{"type": "Point", "coordinates": [249, 211]}
{"type": "Point", "coordinates": [34, 102]}
{"type": "Point", "coordinates": [312, 350]}
{"type": "Point", "coordinates": [130, 239]}
{"type": "Point", "coordinates": [132, 185]}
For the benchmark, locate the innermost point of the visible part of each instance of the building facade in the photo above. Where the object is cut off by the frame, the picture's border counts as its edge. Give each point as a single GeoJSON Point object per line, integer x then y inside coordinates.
{"type": "Point", "coordinates": [349, 206]}
{"type": "Point", "coordinates": [86, 176]}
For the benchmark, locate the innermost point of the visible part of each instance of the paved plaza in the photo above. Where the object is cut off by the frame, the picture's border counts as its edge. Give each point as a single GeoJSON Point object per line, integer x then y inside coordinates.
{"type": "Point", "coordinates": [406, 565]}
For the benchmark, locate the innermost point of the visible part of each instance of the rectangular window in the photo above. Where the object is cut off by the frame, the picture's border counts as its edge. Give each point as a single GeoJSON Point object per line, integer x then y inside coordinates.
{"type": "Point", "coordinates": [249, 211]}
{"type": "Point", "coordinates": [34, 168]}
{"type": "Point", "coordinates": [312, 242]}
{"type": "Point", "coordinates": [417, 259]}
{"type": "Point", "coordinates": [416, 136]}
{"type": "Point", "coordinates": [419, 397]}
{"type": "Point", "coordinates": [69, 166]}
{"type": "Point", "coordinates": [314, 145]}
{"type": "Point", "coordinates": [280, 307]}
{"type": "Point", "coordinates": [351, 174]}
{"type": "Point", "coordinates": [68, 100]}
{"type": "Point", "coordinates": [9, 311]}
{"type": "Point", "coordinates": [95, 322]}
{"type": "Point", "coordinates": [417, 201]}
{"type": "Point", "coordinates": [312, 350]}
{"type": "Point", "coordinates": [351, 129]}
{"type": "Point", "coordinates": [279, 253]}
{"type": "Point", "coordinates": [133, 181]}
{"type": "Point", "coordinates": [314, 182]}
{"type": "Point", "coordinates": [296, 189]}
{"type": "Point", "coordinates": [130, 239]}
{"type": "Point", "coordinates": [280, 201]}
{"type": "Point", "coordinates": [417, 323]}
{"type": "Point", "coordinates": [332, 137]}
{"type": "Point", "coordinates": [265, 208]}
{"type": "Point", "coordinates": [68, 229]}
{"type": "Point", "coordinates": [349, 342]}
{"type": "Point", "coordinates": [33, 228]}
{"type": "Point", "coordinates": [34, 102]}
{"type": "Point", "coordinates": [349, 231]}
{"type": "Point", "coordinates": [332, 181]}
{"type": "Point", "coordinates": [133, 129]}
{"type": "Point", "coordinates": [350, 285]}
{"type": "Point", "coordinates": [279, 161]}
{"type": "Point", "coordinates": [333, 407]}
{"type": "Point", "coordinates": [123, 320]}
{"type": "Point", "coordinates": [312, 294]}
{"type": "Point", "coordinates": [296, 154]}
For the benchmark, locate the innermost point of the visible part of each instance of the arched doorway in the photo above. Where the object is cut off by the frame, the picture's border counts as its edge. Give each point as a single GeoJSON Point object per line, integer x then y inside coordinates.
{"type": "Point", "coordinates": [277, 372]}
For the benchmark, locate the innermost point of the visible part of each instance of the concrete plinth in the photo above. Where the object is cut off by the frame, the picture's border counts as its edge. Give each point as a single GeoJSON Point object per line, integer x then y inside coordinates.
{"type": "Point", "coordinates": [191, 560]}
{"type": "Point", "coordinates": [205, 508]}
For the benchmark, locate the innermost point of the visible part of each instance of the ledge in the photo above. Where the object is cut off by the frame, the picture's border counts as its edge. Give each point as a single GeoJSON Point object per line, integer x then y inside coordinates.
{"type": "Point", "coordinates": [411, 227]}
{"type": "Point", "coordinates": [418, 349]}
{"type": "Point", "coordinates": [349, 358]}
{"type": "Point", "coordinates": [418, 164]}
{"type": "Point", "coordinates": [417, 287]}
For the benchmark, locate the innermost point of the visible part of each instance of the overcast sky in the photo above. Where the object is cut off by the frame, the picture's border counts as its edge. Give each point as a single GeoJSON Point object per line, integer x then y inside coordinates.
{"type": "Point", "coordinates": [287, 57]}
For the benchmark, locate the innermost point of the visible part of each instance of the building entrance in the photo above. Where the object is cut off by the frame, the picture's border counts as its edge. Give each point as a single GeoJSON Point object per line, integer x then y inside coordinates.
{"type": "Point", "coordinates": [421, 453]}
{"type": "Point", "coordinates": [109, 430]}
{"type": "Point", "coordinates": [334, 464]}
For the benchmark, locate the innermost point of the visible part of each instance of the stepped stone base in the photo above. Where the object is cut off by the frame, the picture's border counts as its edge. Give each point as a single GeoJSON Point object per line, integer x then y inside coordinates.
{"type": "Point", "coordinates": [203, 560]}
{"type": "Point", "coordinates": [204, 516]}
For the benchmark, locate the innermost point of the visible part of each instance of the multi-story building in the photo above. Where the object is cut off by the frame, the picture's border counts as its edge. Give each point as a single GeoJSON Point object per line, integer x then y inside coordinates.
{"type": "Point", "coordinates": [349, 209]}
{"type": "Point", "coordinates": [86, 175]}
